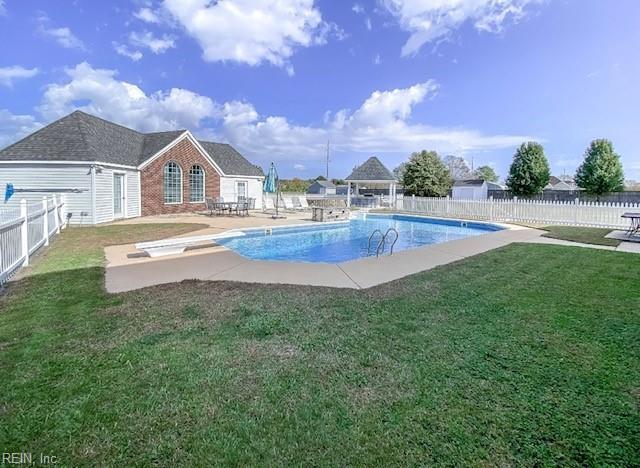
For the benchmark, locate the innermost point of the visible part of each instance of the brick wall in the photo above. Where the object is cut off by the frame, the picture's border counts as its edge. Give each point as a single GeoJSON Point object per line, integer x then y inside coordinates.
{"type": "Point", "coordinates": [186, 155]}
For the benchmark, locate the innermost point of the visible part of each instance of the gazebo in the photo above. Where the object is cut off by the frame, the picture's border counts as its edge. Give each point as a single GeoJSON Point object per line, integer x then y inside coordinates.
{"type": "Point", "coordinates": [373, 174]}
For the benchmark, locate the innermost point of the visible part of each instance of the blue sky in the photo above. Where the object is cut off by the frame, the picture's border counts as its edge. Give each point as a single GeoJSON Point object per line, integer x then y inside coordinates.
{"type": "Point", "coordinates": [278, 79]}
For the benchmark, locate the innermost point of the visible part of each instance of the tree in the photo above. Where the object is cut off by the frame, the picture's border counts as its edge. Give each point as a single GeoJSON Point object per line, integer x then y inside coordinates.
{"type": "Point", "coordinates": [338, 182]}
{"type": "Point", "coordinates": [294, 185]}
{"type": "Point", "coordinates": [457, 167]}
{"type": "Point", "coordinates": [529, 171]}
{"type": "Point", "coordinates": [486, 173]}
{"type": "Point", "coordinates": [601, 171]}
{"type": "Point", "coordinates": [425, 175]}
{"type": "Point", "coordinates": [398, 172]}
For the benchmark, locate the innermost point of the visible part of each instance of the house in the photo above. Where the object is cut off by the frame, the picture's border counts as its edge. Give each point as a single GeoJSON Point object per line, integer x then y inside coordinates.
{"type": "Point", "coordinates": [470, 189]}
{"type": "Point", "coordinates": [556, 183]}
{"type": "Point", "coordinates": [121, 173]}
{"type": "Point", "coordinates": [322, 187]}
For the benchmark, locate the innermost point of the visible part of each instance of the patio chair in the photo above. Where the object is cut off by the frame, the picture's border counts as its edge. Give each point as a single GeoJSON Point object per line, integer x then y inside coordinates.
{"type": "Point", "coordinates": [252, 203]}
{"type": "Point", "coordinates": [304, 205]}
{"type": "Point", "coordinates": [288, 204]}
{"type": "Point", "coordinates": [268, 204]}
{"type": "Point", "coordinates": [211, 205]}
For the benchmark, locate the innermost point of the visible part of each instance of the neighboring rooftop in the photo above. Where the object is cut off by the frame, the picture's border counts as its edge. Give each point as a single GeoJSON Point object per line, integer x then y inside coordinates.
{"type": "Point", "coordinates": [371, 170]}
{"type": "Point", "coordinates": [84, 137]}
{"type": "Point", "coordinates": [324, 183]}
{"type": "Point", "coordinates": [468, 183]}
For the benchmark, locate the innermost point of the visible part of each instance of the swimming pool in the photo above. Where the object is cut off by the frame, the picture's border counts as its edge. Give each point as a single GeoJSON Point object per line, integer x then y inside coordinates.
{"type": "Point", "coordinates": [341, 242]}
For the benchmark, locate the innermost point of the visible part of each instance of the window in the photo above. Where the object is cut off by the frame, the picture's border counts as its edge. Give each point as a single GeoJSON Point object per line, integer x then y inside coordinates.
{"type": "Point", "coordinates": [196, 184]}
{"type": "Point", "coordinates": [172, 183]}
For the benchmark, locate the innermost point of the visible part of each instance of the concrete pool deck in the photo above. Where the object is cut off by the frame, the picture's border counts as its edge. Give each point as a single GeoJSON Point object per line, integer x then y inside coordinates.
{"type": "Point", "coordinates": [127, 270]}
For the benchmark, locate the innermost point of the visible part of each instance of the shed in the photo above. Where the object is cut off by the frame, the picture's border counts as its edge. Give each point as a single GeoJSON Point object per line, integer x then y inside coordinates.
{"type": "Point", "coordinates": [470, 189]}
{"type": "Point", "coordinates": [322, 187]}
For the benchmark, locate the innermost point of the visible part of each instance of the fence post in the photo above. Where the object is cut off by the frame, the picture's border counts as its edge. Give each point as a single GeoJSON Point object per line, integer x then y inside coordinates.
{"type": "Point", "coordinates": [45, 220]}
{"type": "Point", "coordinates": [491, 207]}
{"type": "Point", "coordinates": [63, 212]}
{"type": "Point", "coordinates": [447, 208]}
{"type": "Point", "coordinates": [58, 212]}
{"type": "Point", "coordinates": [413, 202]}
{"type": "Point", "coordinates": [575, 211]}
{"type": "Point", "coordinates": [24, 232]}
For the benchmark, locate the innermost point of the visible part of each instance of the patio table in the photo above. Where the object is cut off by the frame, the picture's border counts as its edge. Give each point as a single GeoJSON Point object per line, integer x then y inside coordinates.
{"type": "Point", "coordinates": [634, 218]}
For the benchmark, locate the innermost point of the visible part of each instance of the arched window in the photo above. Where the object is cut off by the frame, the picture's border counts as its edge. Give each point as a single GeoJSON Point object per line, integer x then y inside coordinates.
{"type": "Point", "coordinates": [172, 183]}
{"type": "Point", "coordinates": [196, 184]}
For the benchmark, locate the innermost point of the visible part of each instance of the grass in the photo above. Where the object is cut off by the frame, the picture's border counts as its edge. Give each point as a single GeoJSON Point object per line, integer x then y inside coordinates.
{"type": "Point", "coordinates": [586, 235]}
{"type": "Point", "coordinates": [527, 355]}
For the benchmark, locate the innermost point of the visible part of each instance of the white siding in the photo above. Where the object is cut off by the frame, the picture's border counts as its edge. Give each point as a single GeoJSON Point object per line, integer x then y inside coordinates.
{"type": "Point", "coordinates": [228, 189]}
{"type": "Point", "coordinates": [43, 176]}
{"type": "Point", "coordinates": [73, 176]}
{"type": "Point", "coordinates": [133, 194]}
{"type": "Point", "coordinates": [104, 194]}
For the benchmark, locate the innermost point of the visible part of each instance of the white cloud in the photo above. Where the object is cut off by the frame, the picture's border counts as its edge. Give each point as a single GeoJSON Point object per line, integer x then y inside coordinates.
{"type": "Point", "coordinates": [299, 167]}
{"type": "Point", "coordinates": [147, 15]}
{"type": "Point", "coordinates": [250, 31]}
{"type": "Point", "coordinates": [367, 23]}
{"type": "Point", "coordinates": [3, 10]}
{"type": "Point", "coordinates": [377, 60]}
{"type": "Point", "coordinates": [430, 20]}
{"type": "Point", "coordinates": [123, 50]}
{"type": "Point", "coordinates": [9, 74]}
{"type": "Point", "coordinates": [63, 36]}
{"type": "Point", "coordinates": [381, 124]}
{"type": "Point", "coordinates": [14, 127]}
{"type": "Point", "coordinates": [98, 92]}
{"type": "Point", "coordinates": [357, 8]}
{"type": "Point", "coordinates": [157, 45]}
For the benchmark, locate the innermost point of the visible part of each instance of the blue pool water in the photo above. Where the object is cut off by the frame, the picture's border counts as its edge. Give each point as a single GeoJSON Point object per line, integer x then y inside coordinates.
{"type": "Point", "coordinates": [334, 243]}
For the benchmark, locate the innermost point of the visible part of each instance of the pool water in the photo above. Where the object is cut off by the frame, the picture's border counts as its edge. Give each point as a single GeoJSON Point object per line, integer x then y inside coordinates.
{"type": "Point", "coordinates": [340, 242]}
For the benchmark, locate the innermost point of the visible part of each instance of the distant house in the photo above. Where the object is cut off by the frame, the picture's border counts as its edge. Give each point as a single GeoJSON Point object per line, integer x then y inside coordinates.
{"type": "Point", "coordinates": [121, 173]}
{"type": "Point", "coordinates": [555, 183]}
{"type": "Point", "coordinates": [470, 189]}
{"type": "Point", "coordinates": [322, 187]}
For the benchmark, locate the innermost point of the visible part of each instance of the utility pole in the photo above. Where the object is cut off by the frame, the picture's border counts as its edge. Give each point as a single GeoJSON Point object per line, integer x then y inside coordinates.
{"type": "Point", "coordinates": [327, 159]}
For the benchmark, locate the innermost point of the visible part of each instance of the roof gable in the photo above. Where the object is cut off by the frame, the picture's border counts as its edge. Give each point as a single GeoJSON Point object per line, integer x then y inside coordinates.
{"type": "Point", "coordinates": [371, 169]}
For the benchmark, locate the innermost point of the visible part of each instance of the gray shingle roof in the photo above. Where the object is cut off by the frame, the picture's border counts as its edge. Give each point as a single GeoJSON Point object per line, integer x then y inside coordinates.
{"type": "Point", "coordinates": [468, 182]}
{"type": "Point", "coordinates": [371, 169]}
{"type": "Point", "coordinates": [83, 137]}
{"type": "Point", "coordinates": [230, 161]}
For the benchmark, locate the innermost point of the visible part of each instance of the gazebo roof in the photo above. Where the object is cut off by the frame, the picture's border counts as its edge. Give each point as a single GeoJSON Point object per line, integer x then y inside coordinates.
{"type": "Point", "coordinates": [372, 170]}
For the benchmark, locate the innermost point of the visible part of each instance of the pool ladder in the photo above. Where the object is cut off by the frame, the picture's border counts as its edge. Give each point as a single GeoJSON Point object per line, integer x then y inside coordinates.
{"type": "Point", "coordinates": [383, 241]}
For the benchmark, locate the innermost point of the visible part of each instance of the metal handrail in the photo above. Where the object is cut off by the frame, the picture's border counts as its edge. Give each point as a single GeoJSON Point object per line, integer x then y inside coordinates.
{"type": "Point", "coordinates": [370, 237]}
{"type": "Point", "coordinates": [383, 242]}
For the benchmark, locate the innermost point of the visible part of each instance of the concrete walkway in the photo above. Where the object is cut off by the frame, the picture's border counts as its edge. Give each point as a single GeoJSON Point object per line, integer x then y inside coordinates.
{"type": "Point", "coordinates": [128, 270]}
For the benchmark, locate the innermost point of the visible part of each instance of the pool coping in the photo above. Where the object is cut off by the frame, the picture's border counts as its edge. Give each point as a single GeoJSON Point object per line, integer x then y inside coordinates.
{"type": "Point", "coordinates": [222, 264]}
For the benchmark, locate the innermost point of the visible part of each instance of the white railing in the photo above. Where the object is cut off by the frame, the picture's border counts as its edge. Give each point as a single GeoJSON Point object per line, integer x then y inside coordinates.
{"type": "Point", "coordinates": [27, 229]}
{"type": "Point", "coordinates": [574, 213]}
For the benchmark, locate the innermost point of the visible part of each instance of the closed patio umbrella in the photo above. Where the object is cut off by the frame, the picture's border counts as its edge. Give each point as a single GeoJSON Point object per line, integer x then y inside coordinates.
{"type": "Point", "coordinates": [271, 184]}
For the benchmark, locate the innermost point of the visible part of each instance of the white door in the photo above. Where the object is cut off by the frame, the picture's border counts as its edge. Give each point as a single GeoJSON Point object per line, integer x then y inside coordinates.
{"type": "Point", "coordinates": [118, 195]}
{"type": "Point", "coordinates": [241, 189]}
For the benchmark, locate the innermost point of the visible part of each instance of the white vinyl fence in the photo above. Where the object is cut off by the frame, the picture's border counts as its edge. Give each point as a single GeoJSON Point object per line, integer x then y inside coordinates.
{"type": "Point", "coordinates": [574, 213]}
{"type": "Point", "coordinates": [25, 230]}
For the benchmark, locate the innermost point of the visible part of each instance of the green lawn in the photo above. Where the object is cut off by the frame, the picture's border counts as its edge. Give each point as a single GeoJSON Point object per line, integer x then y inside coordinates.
{"type": "Point", "coordinates": [585, 235]}
{"type": "Point", "coordinates": [528, 355]}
